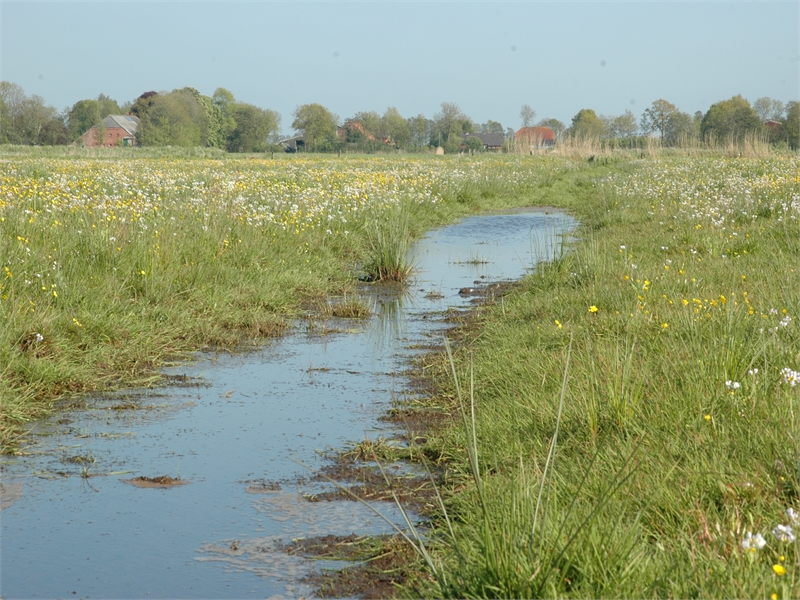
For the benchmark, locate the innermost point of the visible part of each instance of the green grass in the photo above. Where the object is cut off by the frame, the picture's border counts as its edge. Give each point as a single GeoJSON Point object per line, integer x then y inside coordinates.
{"type": "Point", "coordinates": [662, 463]}
{"type": "Point", "coordinates": [117, 263]}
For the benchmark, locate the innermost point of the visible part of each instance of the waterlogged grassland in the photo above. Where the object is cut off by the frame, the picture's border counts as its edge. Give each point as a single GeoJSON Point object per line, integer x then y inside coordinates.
{"type": "Point", "coordinates": [110, 267]}
{"type": "Point", "coordinates": [675, 472]}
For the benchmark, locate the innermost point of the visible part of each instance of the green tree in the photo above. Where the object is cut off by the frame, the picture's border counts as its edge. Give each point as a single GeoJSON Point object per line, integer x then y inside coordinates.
{"type": "Point", "coordinates": [83, 115]}
{"type": "Point", "coordinates": [492, 127]}
{"type": "Point", "coordinates": [318, 126]}
{"type": "Point", "coordinates": [396, 128]}
{"type": "Point", "coordinates": [655, 119]}
{"type": "Point", "coordinates": [420, 128]}
{"type": "Point", "coordinates": [586, 124]}
{"type": "Point", "coordinates": [769, 109]}
{"type": "Point", "coordinates": [208, 118]}
{"type": "Point", "coordinates": [449, 125]}
{"type": "Point", "coordinates": [790, 127]}
{"type": "Point", "coordinates": [225, 103]}
{"type": "Point", "coordinates": [170, 120]}
{"type": "Point", "coordinates": [732, 119]}
{"type": "Point", "coordinates": [621, 126]}
{"type": "Point", "coordinates": [473, 144]}
{"type": "Point", "coordinates": [255, 129]}
{"type": "Point", "coordinates": [143, 103]}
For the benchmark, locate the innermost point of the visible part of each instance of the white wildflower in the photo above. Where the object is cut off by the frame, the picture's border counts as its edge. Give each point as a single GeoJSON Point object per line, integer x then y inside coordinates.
{"type": "Point", "coordinates": [732, 385]}
{"type": "Point", "coordinates": [790, 377]}
{"type": "Point", "coordinates": [38, 337]}
{"type": "Point", "coordinates": [794, 518]}
{"type": "Point", "coordinates": [753, 542]}
{"type": "Point", "coordinates": [784, 533]}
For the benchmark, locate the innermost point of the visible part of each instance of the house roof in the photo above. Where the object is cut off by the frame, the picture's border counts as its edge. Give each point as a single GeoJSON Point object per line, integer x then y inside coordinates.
{"type": "Point", "coordinates": [536, 133]}
{"type": "Point", "coordinates": [488, 139]}
{"type": "Point", "coordinates": [127, 122]}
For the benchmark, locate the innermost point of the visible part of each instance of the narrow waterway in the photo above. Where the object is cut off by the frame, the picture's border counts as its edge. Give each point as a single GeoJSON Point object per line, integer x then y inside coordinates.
{"type": "Point", "coordinates": [232, 429]}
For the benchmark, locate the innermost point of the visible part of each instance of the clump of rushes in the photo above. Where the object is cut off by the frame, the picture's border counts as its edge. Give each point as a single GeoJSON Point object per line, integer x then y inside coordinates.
{"type": "Point", "coordinates": [388, 243]}
{"type": "Point", "coordinates": [346, 307]}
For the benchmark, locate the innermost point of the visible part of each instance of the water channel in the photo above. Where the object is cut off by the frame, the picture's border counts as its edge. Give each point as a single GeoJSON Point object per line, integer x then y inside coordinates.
{"type": "Point", "coordinates": [233, 423]}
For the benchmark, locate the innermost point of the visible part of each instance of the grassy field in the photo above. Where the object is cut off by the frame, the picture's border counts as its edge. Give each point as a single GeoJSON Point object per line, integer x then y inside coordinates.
{"type": "Point", "coordinates": [117, 263]}
{"type": "Point", "coordinates": [635, 402]}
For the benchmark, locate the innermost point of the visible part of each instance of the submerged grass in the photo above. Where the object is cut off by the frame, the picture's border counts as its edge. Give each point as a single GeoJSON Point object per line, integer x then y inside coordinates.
{"type": "Point", "coordinates": [678, 456]}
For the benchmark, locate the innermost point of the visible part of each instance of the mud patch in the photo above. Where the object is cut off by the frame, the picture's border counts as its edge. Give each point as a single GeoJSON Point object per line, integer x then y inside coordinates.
{"type": "Point", "coordinates": [162, 481]}
{"type": "Point", "coordinates": [383, 565]}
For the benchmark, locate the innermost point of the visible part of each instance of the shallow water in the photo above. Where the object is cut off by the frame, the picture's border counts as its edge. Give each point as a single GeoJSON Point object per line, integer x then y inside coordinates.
{"type": "Point", "coordinates": [238, 421]}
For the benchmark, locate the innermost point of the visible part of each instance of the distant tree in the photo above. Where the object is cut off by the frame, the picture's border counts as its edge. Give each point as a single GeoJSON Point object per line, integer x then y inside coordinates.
{"type": "Point", "coordinates": [473, 144]}
{"type": "Point", "coordinates": [143, 103]}
{"type": "Point", "coordinates": [621, 126]}
{"type": "Point", "coordinates": [655, 119]}
{"type": "Point", "coordinates": [108, 106]}
{"type": "Point", "coordinates": [54, 132]}
{"type": "Point", "coordinates": [527, 115]}
{"type": "Point", "coordinates": [491, 127]}
{"type": "Point", "coordinates": [255, 130]}
{"type": "Point", "coordinates": [83, 115]}
{"type": "Point", "coordinates": [586, 124]}
{"type": "Point", "coordinates": [209, 118]}
{"type": "Point", "coordinates": [395, 128]}
{"type": "Point", "coordinates": [225, 102]}
{"type": "Point", "coordinates": [26, 119]}
{"type": "Point", "coordinates": [680, 127]}
{"type": "Point", "coordinates": [791, 125]}
{"type": "Point", "coordinates": [420, 128]}
{"type": "Point", "coordinates": [730, 120]}
{"type": "Point", "coordinates": [556, 126]}
{"type": "Point", "coordinates": [448, 126]}
{"type": "Point", "coordinates": [170, 120]}
{"type": "Point", "coordinates": [370, 123]}
{"type": "Point", "coordinates": [318, 126]}
{"type": "Point", "coordinates": [769, 109]}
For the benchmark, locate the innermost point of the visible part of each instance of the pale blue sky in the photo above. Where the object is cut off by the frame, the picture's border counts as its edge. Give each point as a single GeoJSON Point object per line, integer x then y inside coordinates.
{"type": "Point", "coordinates": [488, 57]}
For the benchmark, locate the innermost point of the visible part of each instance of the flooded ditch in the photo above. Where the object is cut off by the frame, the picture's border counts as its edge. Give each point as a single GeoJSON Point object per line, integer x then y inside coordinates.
{"type": "Point", "coordinates": [215, 491]}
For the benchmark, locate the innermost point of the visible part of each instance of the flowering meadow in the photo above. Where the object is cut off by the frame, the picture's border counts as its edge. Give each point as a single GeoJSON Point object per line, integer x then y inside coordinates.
{"type": "Point", "coordinates": [110, 267]}
{"type": "Point", "coordinates": [672, 329]}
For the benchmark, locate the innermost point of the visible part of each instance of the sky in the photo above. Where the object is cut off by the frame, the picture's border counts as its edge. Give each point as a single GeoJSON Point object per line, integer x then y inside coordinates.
{"type": "Point", "coordinates": [490, 58]}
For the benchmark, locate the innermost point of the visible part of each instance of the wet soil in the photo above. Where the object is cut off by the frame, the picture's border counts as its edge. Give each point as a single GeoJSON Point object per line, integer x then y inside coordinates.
{"type": "Point", "coordinates": [382, 565]}
{"type": "Point", "coordinates": [162, 481]}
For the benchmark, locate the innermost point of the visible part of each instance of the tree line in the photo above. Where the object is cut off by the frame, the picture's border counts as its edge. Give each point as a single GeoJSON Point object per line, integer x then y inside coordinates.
{"type": "Point", "coordinates": [185, 117]}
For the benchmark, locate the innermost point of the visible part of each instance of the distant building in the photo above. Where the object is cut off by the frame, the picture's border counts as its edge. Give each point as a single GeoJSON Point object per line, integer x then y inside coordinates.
{"type": "Point", "coordinates": [773, 126]}
{"type": "Point", "coordinates": [293, 144]}
{"type": "Point", "coordinates": [120, 131]}
{"type": "Point", "coordinates": [490, 141]}
{"type": "Point", "coordinates": [535, 138]}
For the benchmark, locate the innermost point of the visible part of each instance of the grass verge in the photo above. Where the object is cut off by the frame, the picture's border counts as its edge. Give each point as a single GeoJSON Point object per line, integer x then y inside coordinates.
{"type": "Point", "coordinates": [677, 465]}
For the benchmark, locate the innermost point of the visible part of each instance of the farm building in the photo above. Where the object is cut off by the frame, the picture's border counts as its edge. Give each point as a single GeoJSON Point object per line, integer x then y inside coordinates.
{"type": "Point", "coordinates": [533, 138]}
{"type": "Point", "coordinates": [120, 131]}
{"type": "Point", "coordinates": [293, 144]}
{"type": "Point", "coordinates": [490, 141]}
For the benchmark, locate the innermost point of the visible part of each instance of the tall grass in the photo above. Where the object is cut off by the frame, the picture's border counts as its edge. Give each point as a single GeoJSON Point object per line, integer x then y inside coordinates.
{"type": "Point", "coordinates": [681, 402]}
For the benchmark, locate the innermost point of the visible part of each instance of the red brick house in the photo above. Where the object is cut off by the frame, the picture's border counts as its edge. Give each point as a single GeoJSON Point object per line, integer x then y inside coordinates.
{"type": "Point", "coordinates": [120, 131]}
{"type": "Point", "coordinates": [535, 138]}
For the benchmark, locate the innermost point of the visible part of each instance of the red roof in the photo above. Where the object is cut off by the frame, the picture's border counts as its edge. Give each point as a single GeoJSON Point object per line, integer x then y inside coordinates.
{"type": "Point", "coordinates": [536, 133]}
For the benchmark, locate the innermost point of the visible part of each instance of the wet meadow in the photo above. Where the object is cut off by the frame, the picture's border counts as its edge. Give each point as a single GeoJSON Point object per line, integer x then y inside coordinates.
{"type": "Point", "coordinates": [622, 422]}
